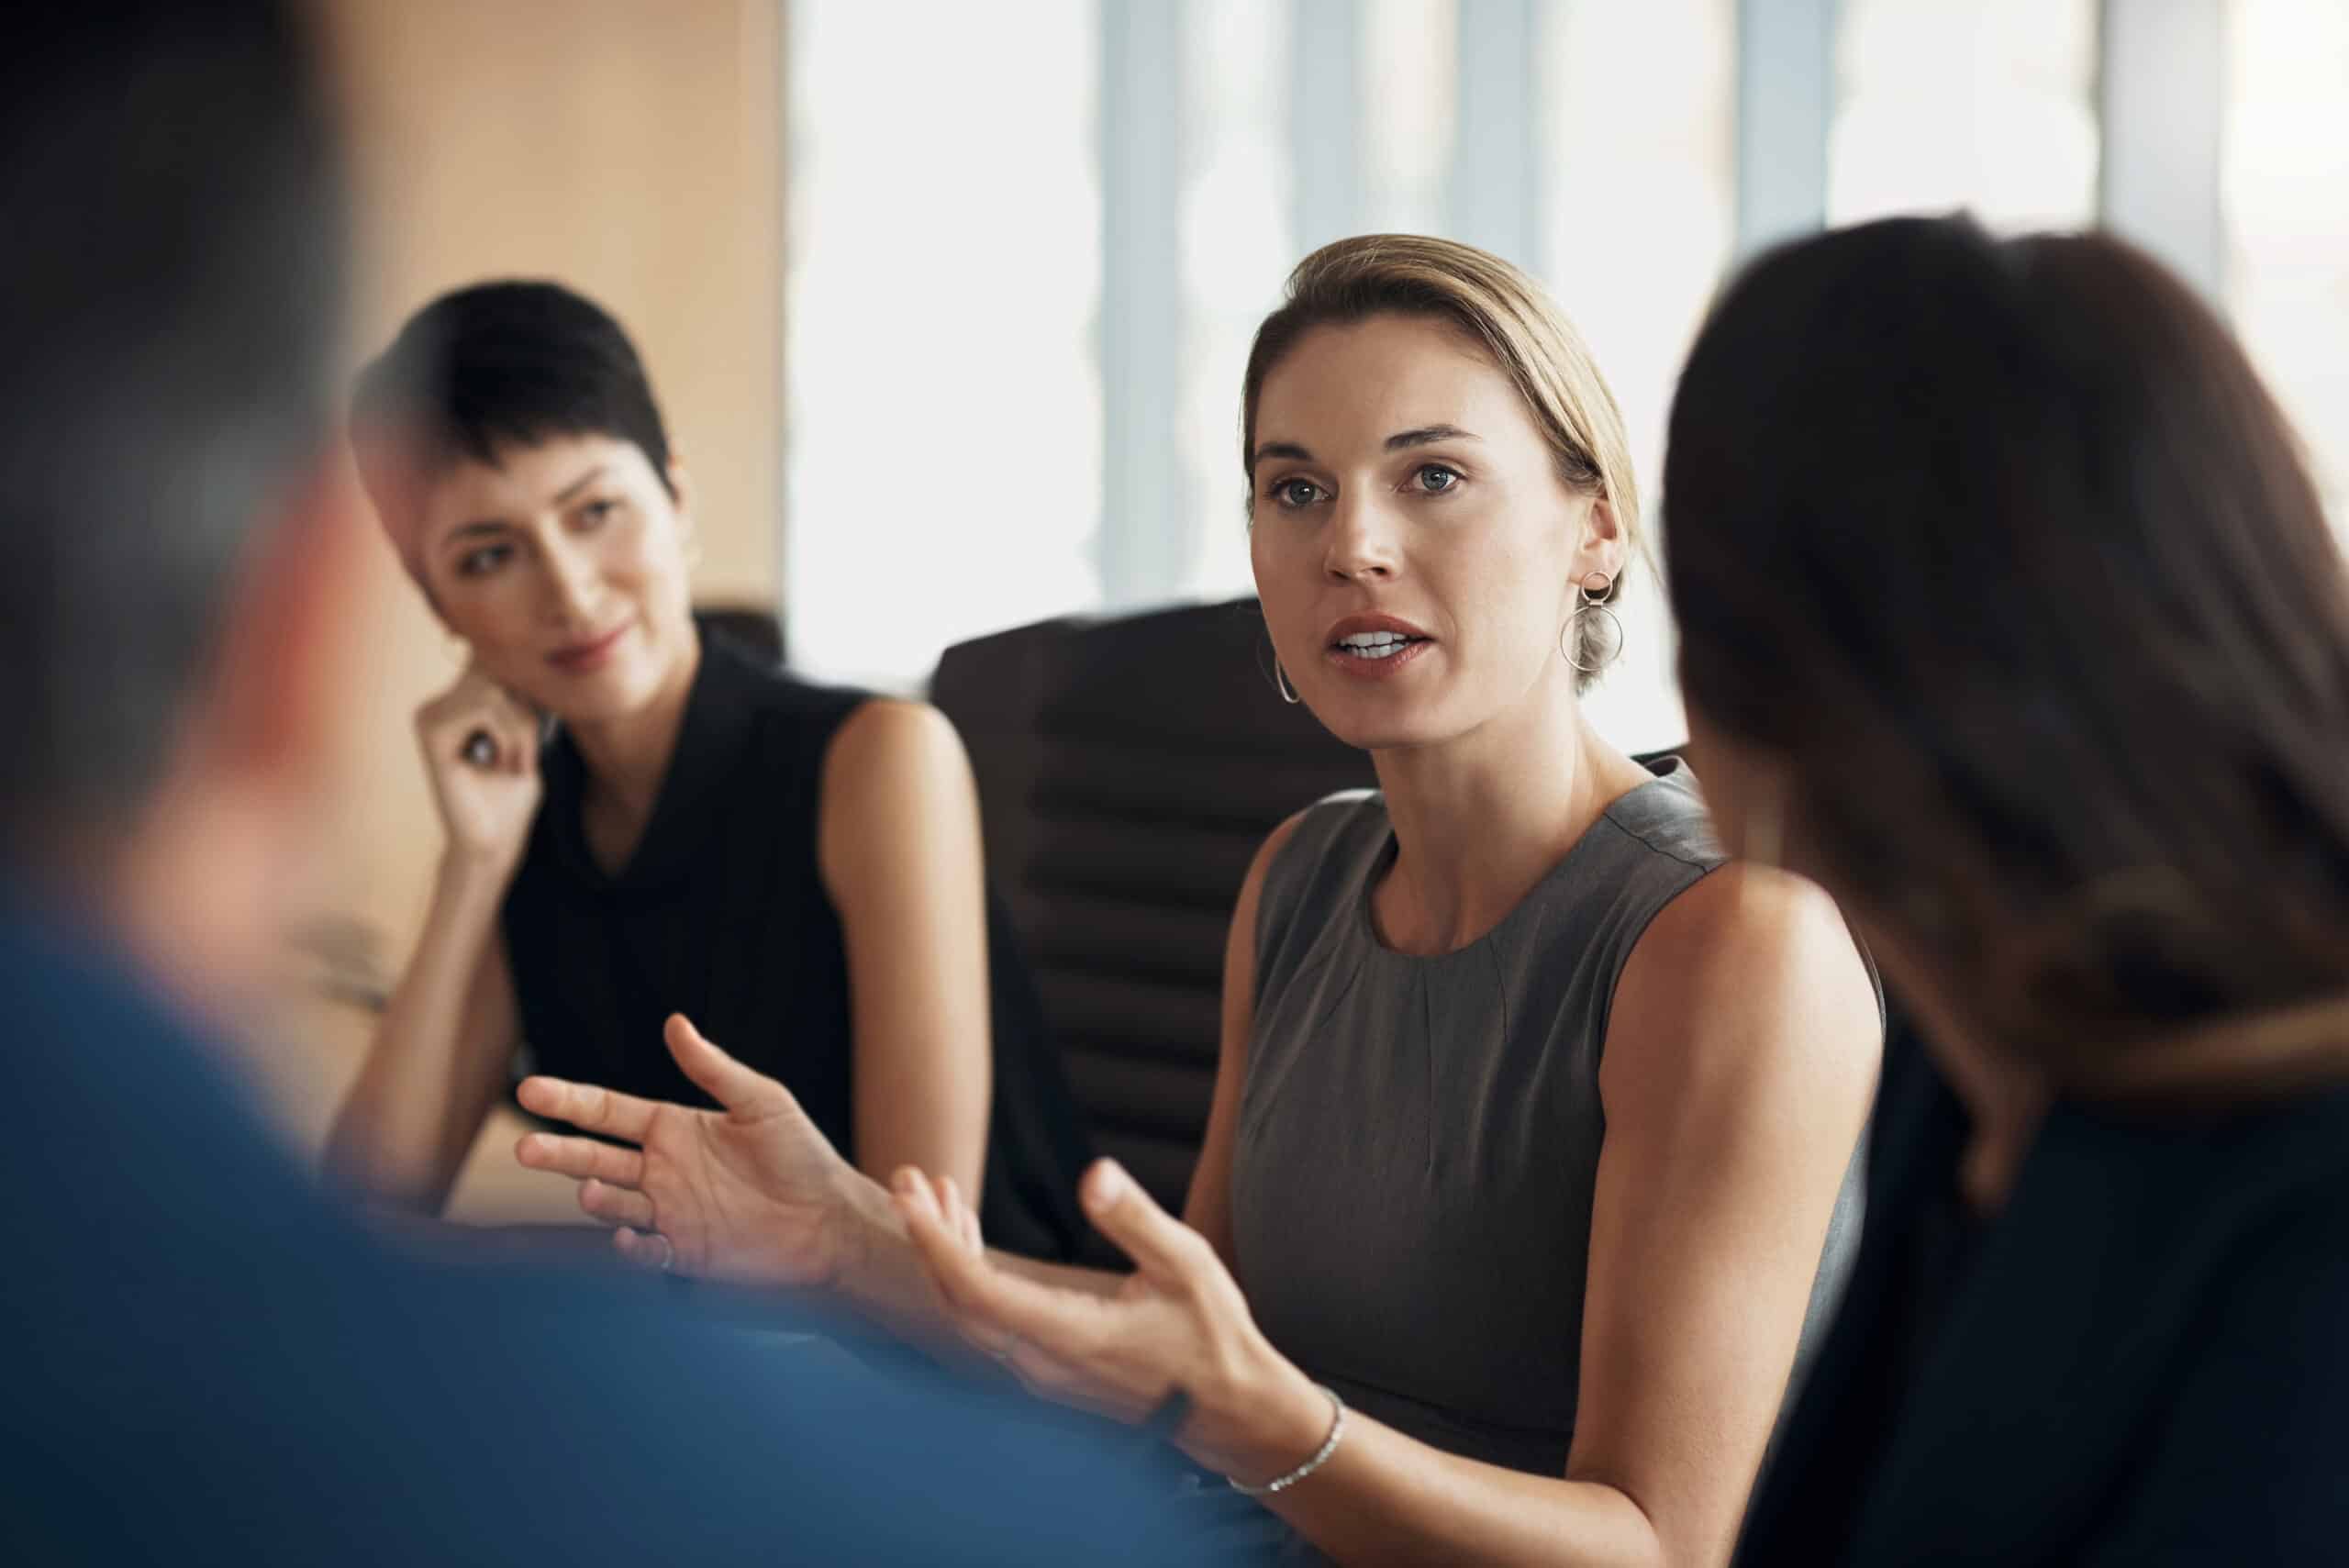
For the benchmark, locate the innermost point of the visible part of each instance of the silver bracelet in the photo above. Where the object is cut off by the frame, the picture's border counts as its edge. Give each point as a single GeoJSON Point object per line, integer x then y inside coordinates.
{"type": "Point", "coordinates": [1320, 1455]}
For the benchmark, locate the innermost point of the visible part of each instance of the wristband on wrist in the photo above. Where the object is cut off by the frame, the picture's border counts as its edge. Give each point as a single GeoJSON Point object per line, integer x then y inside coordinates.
{"type": "Point", "coordinates": [1320, 1455]}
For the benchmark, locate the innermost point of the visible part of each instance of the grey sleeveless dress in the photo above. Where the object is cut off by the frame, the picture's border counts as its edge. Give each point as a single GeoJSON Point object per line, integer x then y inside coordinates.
{"type": "Point", "coordinates": [1418, 1137]}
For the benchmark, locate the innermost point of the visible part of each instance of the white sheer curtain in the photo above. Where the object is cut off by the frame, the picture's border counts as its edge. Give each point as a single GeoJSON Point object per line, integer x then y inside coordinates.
{"type": "Point", "coordinates": [2285, 194]}
{"type": "Point", "coordinates": [1638, 143]}
{"type": "Point", "coordinates": [1988, 104]}
{"type": "Point", "coordinates": [943, 455]}
{"type": "Point", "coordinates": [1238, 245]}
{"type": "Point", "coordinates": [946, 454]}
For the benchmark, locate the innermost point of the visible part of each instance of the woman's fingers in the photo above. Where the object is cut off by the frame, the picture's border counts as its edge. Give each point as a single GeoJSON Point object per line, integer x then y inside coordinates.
{"type": "Point", "coordinates": [581, 1157]}
{"type": "Point", "coordinates": [964, 1216]}
{"type": "Point", "coordinates": [930, 1224]}
{"type": "Point", "coordinates": [1052, 1340]}
{"type": "Point", "coordinates": [584, 1105]}
{"type": "Point", "coordinates": [923, 1204]}
{"type": "Point", "coordinates": [962, 1228]}
{"type": "Point", "coordinates": [477, 691]}
{"type": "Point", "coordinates": [912, 1184]}
{"type": "Point", "coordinates": [1160, 1244]}
{"type": "Point", "coordinates": [1065, 1325]}
{"type": "Point", "coordinates": [647, 1250]}
{"type": "Point", "coordinates": [477, 707]}
{"type": "Point", "coordinates": [961, 1223]}
{"type": "Point", "coordinates": [616, 1206]}
{"type": "Point", "coordinates": [727, 1081]}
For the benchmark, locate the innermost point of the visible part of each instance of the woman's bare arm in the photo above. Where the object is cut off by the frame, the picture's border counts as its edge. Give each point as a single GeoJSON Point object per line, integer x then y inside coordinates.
{"type": "Point", "coordinates": [899, 852]}
{"type": "Point", "coordinates": [439, 1056]}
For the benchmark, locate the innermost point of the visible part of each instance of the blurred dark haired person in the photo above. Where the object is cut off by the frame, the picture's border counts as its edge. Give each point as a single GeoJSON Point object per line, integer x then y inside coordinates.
{"type": "Point", "coordinates": [2010, 613]}
{"type": "Point", "coordinates": [208, 1362]}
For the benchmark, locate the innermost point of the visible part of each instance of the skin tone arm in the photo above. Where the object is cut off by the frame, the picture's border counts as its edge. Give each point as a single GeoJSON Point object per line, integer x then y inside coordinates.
{"type": "Point", "coordinates": [899, 852]}
{"type": "Point", "coordinates": [1739, 1062]}
{"type": "Point", "coordinates": [440, 1054]}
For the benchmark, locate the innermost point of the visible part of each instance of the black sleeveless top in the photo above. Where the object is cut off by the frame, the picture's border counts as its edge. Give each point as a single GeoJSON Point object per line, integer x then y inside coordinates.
{"type": "Point", "coordinates": [721, 914]}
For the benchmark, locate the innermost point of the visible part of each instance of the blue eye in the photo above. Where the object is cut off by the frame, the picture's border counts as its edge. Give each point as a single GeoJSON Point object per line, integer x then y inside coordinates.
{"type": "Point", "coordinates": [598, 512]}
{"type": "Point", "coordinates": [1295, 493]}
{"type": "Point", "coordinates": [481, 561]}
{"type": "Point", "coordinates": [1435, 479]}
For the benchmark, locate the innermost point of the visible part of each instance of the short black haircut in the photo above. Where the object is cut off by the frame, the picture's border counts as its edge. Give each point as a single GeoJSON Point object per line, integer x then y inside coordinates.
{"type": "Point", "coordinates": [502, 364]}
{"type": "Point", "coordinates": [172, 297]}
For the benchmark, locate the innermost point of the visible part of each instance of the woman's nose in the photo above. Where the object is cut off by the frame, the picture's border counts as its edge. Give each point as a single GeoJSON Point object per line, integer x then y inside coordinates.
{"type": "Point", "coordinates": [571, 581]}
{"type": "Point", "coordinates": [1362, 542]}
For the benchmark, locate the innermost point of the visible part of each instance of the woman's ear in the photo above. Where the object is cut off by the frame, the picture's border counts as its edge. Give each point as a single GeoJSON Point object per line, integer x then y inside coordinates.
{"type": "Point", "coordinates": [1599, 544]}
{"type": "Point", "coordinates": [681, 489]}
{"type": "Point", "coordinates": [282, 675]}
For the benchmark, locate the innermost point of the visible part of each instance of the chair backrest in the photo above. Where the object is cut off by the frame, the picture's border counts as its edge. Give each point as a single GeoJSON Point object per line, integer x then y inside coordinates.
{"type": "Point", "coordinates": [1128, 769]}
{"type": "Point", "coordinates": [755, 629]}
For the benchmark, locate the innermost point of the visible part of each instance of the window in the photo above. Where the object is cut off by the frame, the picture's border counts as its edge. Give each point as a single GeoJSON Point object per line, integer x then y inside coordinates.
{"type": "Point", "coordinates": [943, 449]}
{"type": "Point", "coordinates": [1027, 259]}
{"type": "Point", "coordinates": [1237, 246]}
{"type": "Point", "coordinates": [2284, 195]}
{"type": "Point", "coordinates": [1409, 68]}
{"type": "Point", "coordinates": [1988, 104]}
{"type": "Point", "coordinates": [1637, 143]}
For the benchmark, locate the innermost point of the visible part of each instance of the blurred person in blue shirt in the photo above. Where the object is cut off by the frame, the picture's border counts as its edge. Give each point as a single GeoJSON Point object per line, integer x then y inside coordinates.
{"type": "Point", "coordinates": [207, 1359]}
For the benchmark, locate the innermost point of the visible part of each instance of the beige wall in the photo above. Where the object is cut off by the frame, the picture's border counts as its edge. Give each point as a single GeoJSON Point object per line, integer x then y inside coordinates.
{"type": "Point", "coordinates": [632, 149]}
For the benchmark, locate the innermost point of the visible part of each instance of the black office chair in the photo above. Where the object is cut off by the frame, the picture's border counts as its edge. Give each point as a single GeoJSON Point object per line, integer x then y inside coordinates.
{"type": "Point", "coordinates": [1128, 769]}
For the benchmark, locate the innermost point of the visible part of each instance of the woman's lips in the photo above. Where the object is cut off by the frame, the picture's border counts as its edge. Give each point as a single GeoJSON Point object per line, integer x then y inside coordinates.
{"type": "Point", "coordinates": [1373, 646]}
{"type": "Point", "coordinates": [583, 658]}
{"type": "Point", "coordinates": [1374, 665]}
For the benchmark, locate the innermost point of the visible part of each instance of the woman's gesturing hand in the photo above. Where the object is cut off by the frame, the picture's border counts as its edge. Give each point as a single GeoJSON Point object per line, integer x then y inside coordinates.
{"type": "Point", "coordinates": [753, 1193]}
{"type": "Point", "coordinates": [1177, 1324]}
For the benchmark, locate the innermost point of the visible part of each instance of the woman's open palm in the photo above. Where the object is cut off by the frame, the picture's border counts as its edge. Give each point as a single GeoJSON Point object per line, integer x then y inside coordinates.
{"type": "Point", "coordinates": [751, 1193]}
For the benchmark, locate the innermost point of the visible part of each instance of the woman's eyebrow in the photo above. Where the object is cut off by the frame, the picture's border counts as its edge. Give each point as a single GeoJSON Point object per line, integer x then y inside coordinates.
{"type": "Point", "coordinates": [576, 485]}
{"type": "Point", "coordinates": [1287, 449]}
{"type": "Point", "coordinates": [1428, 434]}
{"type": "Point", "coordinates": [478, 525]}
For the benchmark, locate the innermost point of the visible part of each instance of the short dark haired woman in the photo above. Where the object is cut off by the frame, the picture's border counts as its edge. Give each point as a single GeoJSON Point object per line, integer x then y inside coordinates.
{"type": "Point", "coordinates": [642, 818]}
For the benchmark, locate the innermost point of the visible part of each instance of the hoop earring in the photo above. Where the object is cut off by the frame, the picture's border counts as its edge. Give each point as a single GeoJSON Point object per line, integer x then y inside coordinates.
{"type": "Point", "coordinates": [1594, 602]}
{"type": "Point", "coordinates": [1280, 683]}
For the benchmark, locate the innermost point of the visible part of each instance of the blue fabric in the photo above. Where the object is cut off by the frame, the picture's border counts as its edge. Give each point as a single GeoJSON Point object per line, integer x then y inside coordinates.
{"type": "Point", "coordinates": [207, 1362]}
